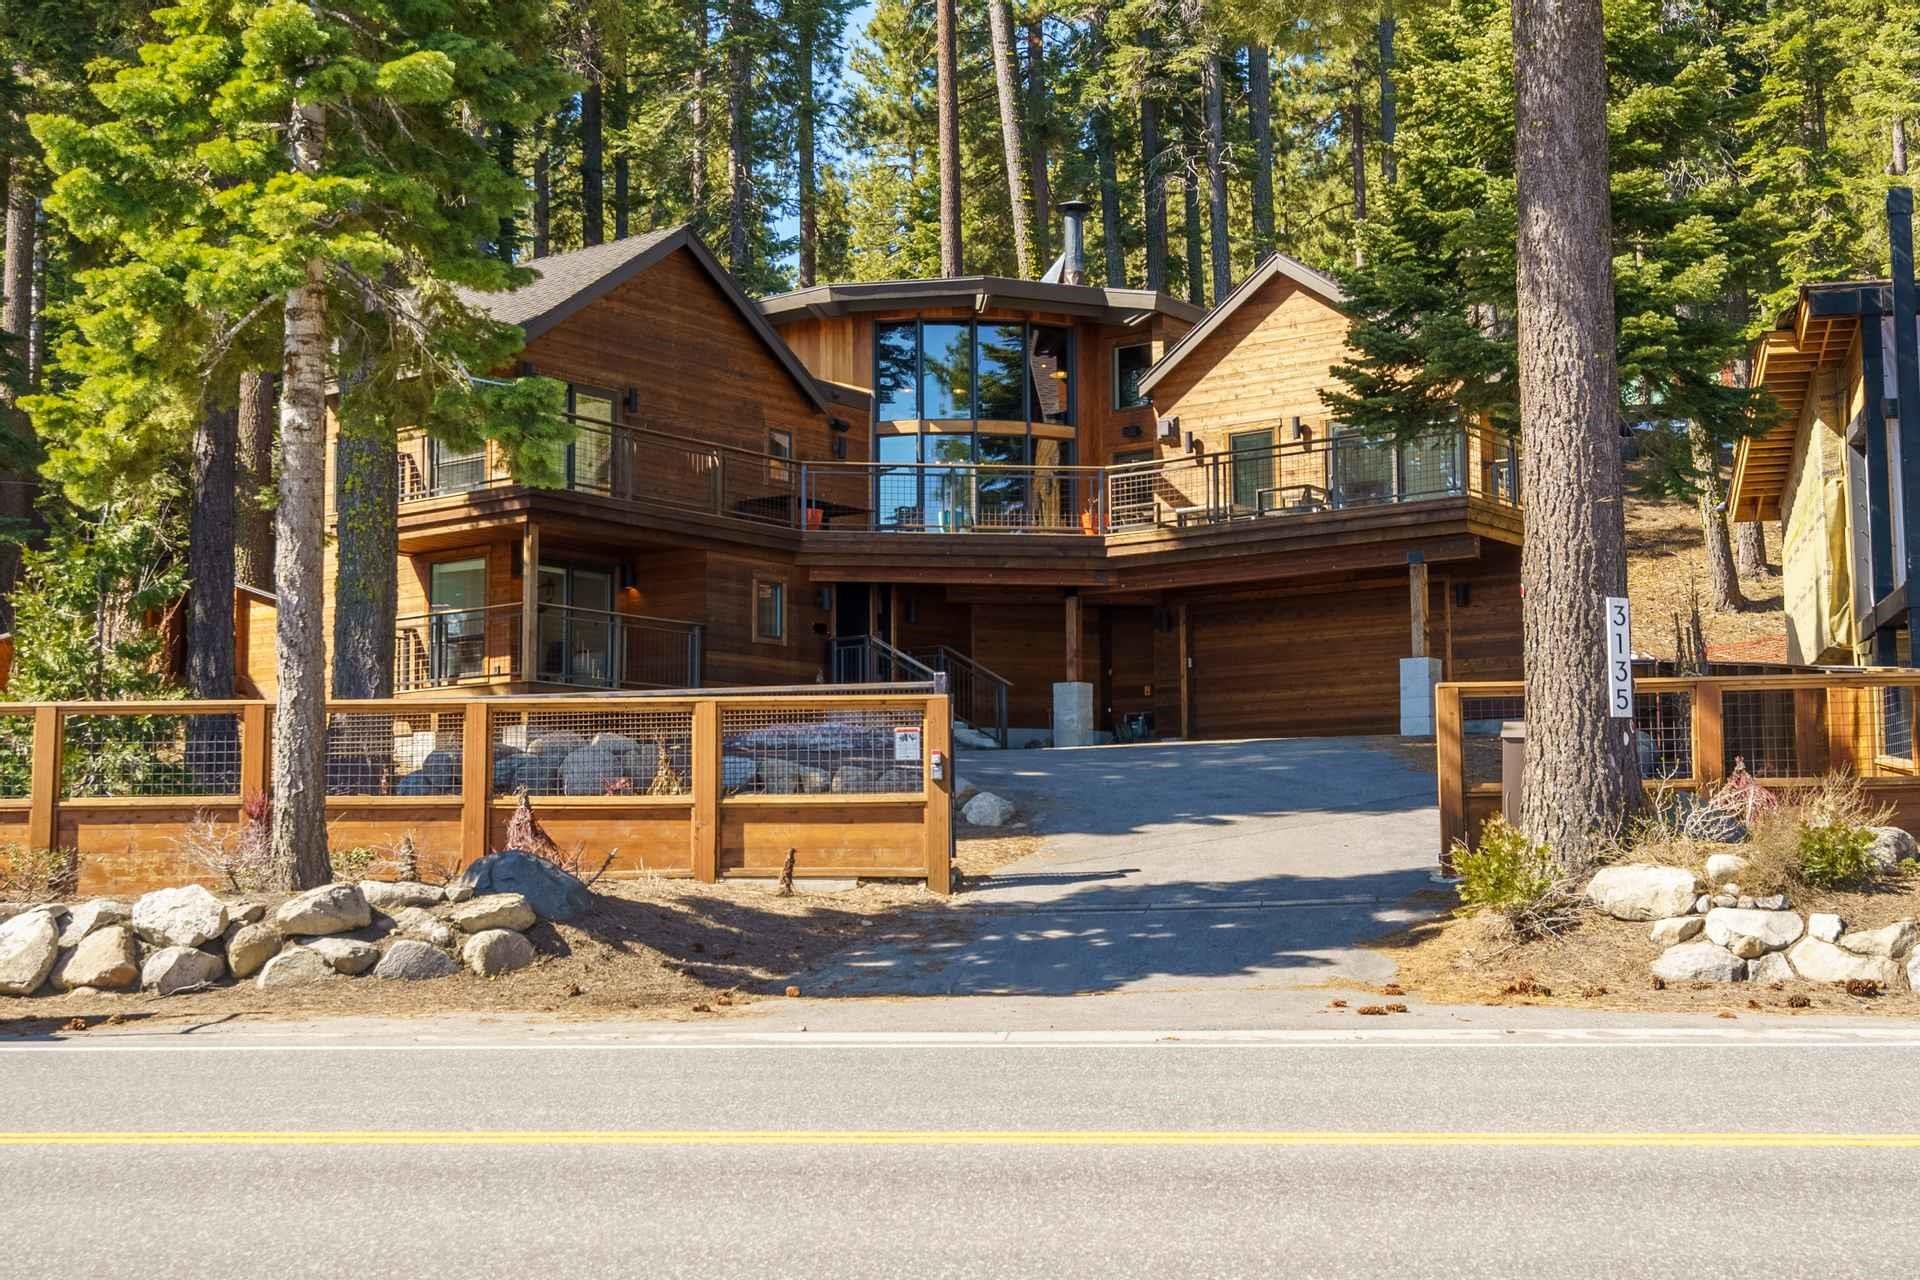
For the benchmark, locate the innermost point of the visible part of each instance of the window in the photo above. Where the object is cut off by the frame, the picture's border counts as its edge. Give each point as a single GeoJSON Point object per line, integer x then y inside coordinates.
{"type": "Point", "coordinates": [457, 626]}
{"type": "Point", "coordinates": [960, 371]}
{"type": "Point", "coordinates": [1252, 466]}
{"type": "Point", "coordinates": [779, 445]}
{"type": "Point", "coordinates": [998, 356]}
{"type": "Point", "coordinates": [454, 470]}
{"type": "Point", "coordinates": [896, 375]}
{"type": "Point", "coordinates": [946, 371]}
{"type": "Point", "coordinates": [590, 456]}
{"type": "Point", "coordinates": [1049, 355]}
{"type": "Point", "coordinates": [769, 610]}
{"type": "Point", "coordinates": [1130, 364]}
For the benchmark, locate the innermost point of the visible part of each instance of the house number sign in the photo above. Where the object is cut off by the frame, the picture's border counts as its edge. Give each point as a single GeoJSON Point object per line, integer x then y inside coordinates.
{"type": "Point", "coordinates": [1619, 658]}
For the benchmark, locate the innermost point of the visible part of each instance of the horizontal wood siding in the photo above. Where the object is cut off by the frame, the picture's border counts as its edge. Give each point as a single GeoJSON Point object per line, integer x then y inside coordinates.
{"type": "Point", "coordinates": [1027, 645]}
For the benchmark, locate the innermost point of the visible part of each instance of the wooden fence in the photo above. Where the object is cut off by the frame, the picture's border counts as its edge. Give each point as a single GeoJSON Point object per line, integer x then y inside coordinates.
{"type": "Point", "coordinates": [706, 786]}
{"type": "Point", "coordinates": [1787, 730]}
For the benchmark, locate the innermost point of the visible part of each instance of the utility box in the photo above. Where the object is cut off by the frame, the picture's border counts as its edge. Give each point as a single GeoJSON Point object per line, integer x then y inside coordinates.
{"type": "Point", "coordinates": [1513, 768]}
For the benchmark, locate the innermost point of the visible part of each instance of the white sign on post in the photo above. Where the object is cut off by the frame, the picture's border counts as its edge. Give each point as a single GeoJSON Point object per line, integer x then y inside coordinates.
{"type": "Point", "coordinates": [1619, 658]}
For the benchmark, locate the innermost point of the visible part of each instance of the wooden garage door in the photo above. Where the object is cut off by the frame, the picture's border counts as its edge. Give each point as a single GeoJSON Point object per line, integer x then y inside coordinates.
{"type": "Point", "coordinates": [1315, 664]}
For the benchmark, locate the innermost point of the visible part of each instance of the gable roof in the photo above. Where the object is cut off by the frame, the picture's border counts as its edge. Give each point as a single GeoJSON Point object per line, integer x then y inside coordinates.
{"type": "Point", "coordinates": [566, 283]}
{"type": "Point", "coordinates": [1274, 264]}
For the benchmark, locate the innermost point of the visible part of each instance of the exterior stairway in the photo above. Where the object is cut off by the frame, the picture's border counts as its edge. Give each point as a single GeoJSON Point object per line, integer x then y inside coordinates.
{"type": "Point", "coordinates": [979, 694]}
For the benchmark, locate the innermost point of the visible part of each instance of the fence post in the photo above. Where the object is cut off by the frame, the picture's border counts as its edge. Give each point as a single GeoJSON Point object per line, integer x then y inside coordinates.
{"type": "Point", "coordinates": [1450, 766]}
{"type": "Point", "coordinates": [1810, 731]}
{"type": "Point", "coordinates": [937, 735]}
{"type": "Point", "coordinates": [1709, 747]}
{"type": "Point", "coordinates": [706, 769]}
{"type": "Point", "coordinates": [476, 781]}
{"type": "Point", "coordinates": [43, 819]}
{"type": "Point", "coordinates": [255, 750]}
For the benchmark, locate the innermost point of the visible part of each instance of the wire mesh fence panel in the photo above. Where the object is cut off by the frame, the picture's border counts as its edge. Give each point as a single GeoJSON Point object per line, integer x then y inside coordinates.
{"type": "Point", "coordinates": [1663, 724]}
{"type": "Point", "coordinates": [105, 755]}
{"type": "Point", "coordinates": [593, 753]}
{"type": "Point", "coordinates": [1888, 729]}
{"type": "Point", "coordinates": [16, 757]}
{"type": "Point", "coordinates": [794, 751]}
{"type": "Point", "coordinates": [385, 753]}
{"type": "Point", "coordinates": [1757, 729]}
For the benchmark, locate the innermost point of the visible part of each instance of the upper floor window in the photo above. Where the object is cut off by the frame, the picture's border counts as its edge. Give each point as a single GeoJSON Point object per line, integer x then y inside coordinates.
{"type": "Point", "coordinates": [1130, 364]}
{"type": "Point", "coordinates": [967, 371]}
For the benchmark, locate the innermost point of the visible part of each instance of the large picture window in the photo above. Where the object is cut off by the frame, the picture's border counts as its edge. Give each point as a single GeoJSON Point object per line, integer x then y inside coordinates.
{"type": "Point", "coordinates": [963, 371]}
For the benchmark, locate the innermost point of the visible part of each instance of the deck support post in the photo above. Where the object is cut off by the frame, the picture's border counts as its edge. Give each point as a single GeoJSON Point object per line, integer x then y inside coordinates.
{"type": "Point", "coordinates": [1072, 675]}
{"type": "Point", "coordinates": [1418, 673]}
{"type": "Point", "coordinates": [529, 602]}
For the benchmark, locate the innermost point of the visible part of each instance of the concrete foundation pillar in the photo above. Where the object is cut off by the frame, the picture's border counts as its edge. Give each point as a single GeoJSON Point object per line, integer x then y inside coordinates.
{"type": "Point", "coordinates": [1417, 678]}
{"type": "Point", "coordinates": [1073, 714]}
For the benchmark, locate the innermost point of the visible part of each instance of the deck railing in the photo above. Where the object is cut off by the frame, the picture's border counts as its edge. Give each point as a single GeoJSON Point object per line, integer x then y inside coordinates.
{"type": "Point", "coordinates": [699, 784]}
{"type": "Point", "coordinates": [1323, 469]}
{"type": "Point", "coordinates": [1787, 731]}
{"type": "Point", "coordinates": [583, 648]}
{"type": "Point", "coordinates": [979, 693]}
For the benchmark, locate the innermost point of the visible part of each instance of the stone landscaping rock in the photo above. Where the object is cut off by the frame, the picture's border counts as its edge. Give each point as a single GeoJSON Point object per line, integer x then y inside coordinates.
{"type": "Point", "coordinates": [588, 771]}
{"type": "Point", "coordinates": [494, 951]}
{"type": "Point", "coordinates": [989, 810]}
{"type": "Point", "coordinates": [1674, 930]}
{"type": "Point", "coordinates": [1772, 902]}
{"type": "Point", "coordinates": [184, 917]}
{"type": "Point", "coordinates": [389, 896]}
{"type": "Point", "coordinates": [1892, 941]}
{"type": "Point", "coordinates": [1825, 926]}
{"type": "Point", "coordinates": [561, 742]}
{"type": "Point", "coordinates": [963, 790]}
{"type": "Point", "coordinates": [1713, 826]}
{"type": "Point", "coordinates": [1699, 962]}
{"type": "Point", "coordinates": [171, 970]}
{"type": "Point", "coordinates": [1891, 845]}
{"type": "Point", "coordinates": [1702, 904]}
{"type": "Point", "coordinates": [1748, 903]}
{"type": "Point", "coordinates": [246, 911]}
{"type": "Point", "coordinates": [1750, 934]}
{"type": "Point", "coordinates": [29, 944]}
{"type": "Point", "coordinates": [495, 911]}
{"type": "Point", "coordinates": [1722, 867]}
{"type": "Point", "coordinates": [345, 954]}
{"type": "Point", "coordinates": [551, 892]}
{"type": "Point", "coordinates": [250, 946]}
{"type": "Point", "coordinates": [458, 891]}
{"type": "Point", "coordinates": [421, 925]}
{"type": "Point", "coordinates": [1818, 961]}
{"type": "Point", "coordinates": [1725, 900]}
{"type": "Point", "coordinates": [1635, 891]}
{"type": "Point", "coordinates": [295, 967]}
{"type": "Point", "coordinates": [1913, 971]}
{"type": "Point", "coordinates": [107, 959]}
{"type": "Point", "coordinates": [332, 908]}
{"type": "Point", "coordinates": [415, 961]}
{"type": "Point", "coordinates": [89, 916]}
{"type": "Point", "coordinates": [783, 777]}
{"type": "Point", "coordinates": [1772, 967]}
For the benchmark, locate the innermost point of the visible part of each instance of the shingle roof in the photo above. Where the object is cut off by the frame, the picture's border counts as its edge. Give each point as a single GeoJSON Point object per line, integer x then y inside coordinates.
{"type": "Point", "coordinates": [567, 282]}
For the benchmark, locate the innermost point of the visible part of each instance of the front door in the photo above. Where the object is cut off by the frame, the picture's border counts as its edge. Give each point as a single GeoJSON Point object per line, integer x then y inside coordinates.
{"type": "Point", "coordinates": [576, 625]}
{"type": "Point", "coordinates": [457, 621]}
{"type": "Point", "coordinates": [1252, 467]}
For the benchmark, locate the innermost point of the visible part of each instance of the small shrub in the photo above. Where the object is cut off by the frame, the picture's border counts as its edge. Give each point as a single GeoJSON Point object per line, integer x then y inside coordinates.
{"type": "Point", "coordinates": [37, 875]}
{"type": "Point", "coordinates": [1507, 873]}
{"type": "Point", "coordinates": [242, 858]}
{"type": "Point", "coordinates": [356, 863]}
{"type": "Point", "coordinates": [1830, 857]}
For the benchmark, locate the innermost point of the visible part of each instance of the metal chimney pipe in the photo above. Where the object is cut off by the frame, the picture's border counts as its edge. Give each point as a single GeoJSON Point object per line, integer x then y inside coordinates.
{"type": "Point", "coordinates": [1073, 226]}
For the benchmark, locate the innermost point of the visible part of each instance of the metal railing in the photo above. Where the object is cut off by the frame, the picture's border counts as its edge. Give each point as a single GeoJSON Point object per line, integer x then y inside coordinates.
{"type": "Point", "coordinates": [581, 648]}
{"type": "Point", "coordinates": [979, 693]}
{"type": "Point", "coordinates": [1323, 469]}
{"type": "Point", "coordinates": [871, 660]}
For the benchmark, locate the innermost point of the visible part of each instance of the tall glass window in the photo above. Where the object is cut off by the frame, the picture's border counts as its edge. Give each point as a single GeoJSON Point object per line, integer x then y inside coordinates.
{"type": "Point", "coordinates": [956, 370]}
{"type": "Point", "coordinates": [896, 374]}
{"type": "Point", "coordinates": [1049, 352]}
{"type": "Point", "coordinates": [999, 379]}
{"type": "Point", "coordinates": [946, 371]}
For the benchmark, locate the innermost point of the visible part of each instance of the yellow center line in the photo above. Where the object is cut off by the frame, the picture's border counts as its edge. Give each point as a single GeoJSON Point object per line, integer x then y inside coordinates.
{"type": "Point", "coordinates": [936, 1138]}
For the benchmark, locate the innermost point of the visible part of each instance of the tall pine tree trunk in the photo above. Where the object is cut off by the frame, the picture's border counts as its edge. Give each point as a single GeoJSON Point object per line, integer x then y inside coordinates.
{"type": "Point", "coordinates": [1383, 34]}
{"type": "Point", "coordinates": [1750, 549]}
{"type": "Point", "coordinates": [253, 511]}
{"type": "Point", "coordinates": [1037, 114]}
{"type": "Point", "coordinates": [1196, 247]}
{"type": "Point", "coordinates": [1112, 238]}
{"type": "Point", "coordinates": [593, 145]}
{"type": "Point", "coordinates": [366, 564]}
{"type": "Point", "coordinates": [1217, 239]}
{"type": "Point", "coordinates": [739, 134]}
{"type": "Point", "coordinates": [210, 553]}
{"type": "Point", "coordinates": [1000, 36]}
{"type": "Point", "coordinates": [804, 157]}
{"type": "Point", "coordinates": [300, 719]}
{"type": "Point", "coordinates": [1260, 124]}
{"type": "Point", "coordinates": [17, 489]}
{"type": "Point", "coordinates": [1153, 179]}
{"type": "Point", "coordinates": [1723, 583]}
{"type": "Point", "coordinates": [947, 103]}
{"type": "Point", "coordinates": [507, 245]}
{"type": "Point", "coordinates": [1897, 157]}
{"type": "Point", "coordinates": [1582, 774]}
{"type": "Point", "coordinates": [1357, 157]}
{"type": "Point", "coordinates": [542, 188]}
{"type": "Point", "coordinates": [697, 160]}
{"type": "Point", "coordinates": [620, 109]}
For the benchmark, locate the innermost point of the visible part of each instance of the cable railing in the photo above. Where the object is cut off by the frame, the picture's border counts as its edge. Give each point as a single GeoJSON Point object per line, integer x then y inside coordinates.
{"type": "Point", "coordinates": [580, 648]}
{"type": "Point", "coordinates": [1322, 467]}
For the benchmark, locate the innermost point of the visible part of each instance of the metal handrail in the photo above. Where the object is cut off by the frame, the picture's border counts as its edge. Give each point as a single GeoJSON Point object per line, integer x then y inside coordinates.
{"type": "Point", "coordinates": [449, 647]}
{"type": "Point", "coordinates": [979, 692]}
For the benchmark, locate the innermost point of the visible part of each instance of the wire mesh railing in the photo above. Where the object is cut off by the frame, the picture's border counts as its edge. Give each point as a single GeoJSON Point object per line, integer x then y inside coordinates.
{"type": "Point", "coordinates": [105, 754]}
{"type": "Point", "coordinates": [580, 648]}
{"type": "Point", "coordinates": [795, 751]}
{"type": "Point", "coordinates": [593, 752]}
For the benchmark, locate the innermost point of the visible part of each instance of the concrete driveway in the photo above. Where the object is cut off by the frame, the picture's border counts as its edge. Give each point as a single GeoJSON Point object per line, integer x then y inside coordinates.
{"type": "Point", "coordinates": [1177, 865]}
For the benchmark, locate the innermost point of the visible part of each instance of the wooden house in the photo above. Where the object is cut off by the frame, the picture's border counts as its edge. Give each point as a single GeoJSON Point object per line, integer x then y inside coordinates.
{"type": "Point", "coordinates": [1016, 483]}
{"type": "Point", "coordinates": [1837, 466]}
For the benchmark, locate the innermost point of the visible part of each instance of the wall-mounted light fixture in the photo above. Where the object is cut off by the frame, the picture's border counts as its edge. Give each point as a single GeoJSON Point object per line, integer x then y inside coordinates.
{"type": "Point", "coordinates": [840, 448]}
{"type": "Point", "coordinates": [839, 424]}
{"type": "Point", "coordinates": [631, 401]}
{"type": "Point", "coordinates": [1301, 431]}
{"type": "Point", "coordinates": [1131, 431]}
{"type": "Point", "coordinates": [1462, 594]}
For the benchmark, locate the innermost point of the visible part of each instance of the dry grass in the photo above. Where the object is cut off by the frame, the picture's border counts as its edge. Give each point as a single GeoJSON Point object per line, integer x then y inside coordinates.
{"type": "Point", "coordinates": [1666, 563]}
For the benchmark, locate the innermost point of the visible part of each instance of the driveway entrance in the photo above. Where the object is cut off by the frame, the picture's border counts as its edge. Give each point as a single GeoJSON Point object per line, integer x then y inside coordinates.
{"type": "Point", "coordinates": [1172, 865]}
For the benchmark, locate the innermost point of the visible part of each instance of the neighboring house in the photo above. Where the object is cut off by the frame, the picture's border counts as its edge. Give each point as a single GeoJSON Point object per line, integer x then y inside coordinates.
{"type": "Point", "coordinates": [1016, 482]}
{"type": "Point", "coordinates": [1835, 468]}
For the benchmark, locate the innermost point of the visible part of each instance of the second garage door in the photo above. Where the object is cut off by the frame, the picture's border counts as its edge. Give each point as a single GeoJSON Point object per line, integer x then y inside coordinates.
{"type": "Point", "coordinates": [1315, 664]}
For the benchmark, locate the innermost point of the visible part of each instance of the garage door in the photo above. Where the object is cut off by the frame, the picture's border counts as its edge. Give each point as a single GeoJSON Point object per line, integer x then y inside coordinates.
{"type": "Point", "coordinates": [1317, 664]}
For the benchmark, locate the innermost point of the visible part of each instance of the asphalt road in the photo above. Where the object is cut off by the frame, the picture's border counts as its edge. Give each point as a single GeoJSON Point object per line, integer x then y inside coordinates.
{"type": "Point", "coordinates": [1556, 1147]}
